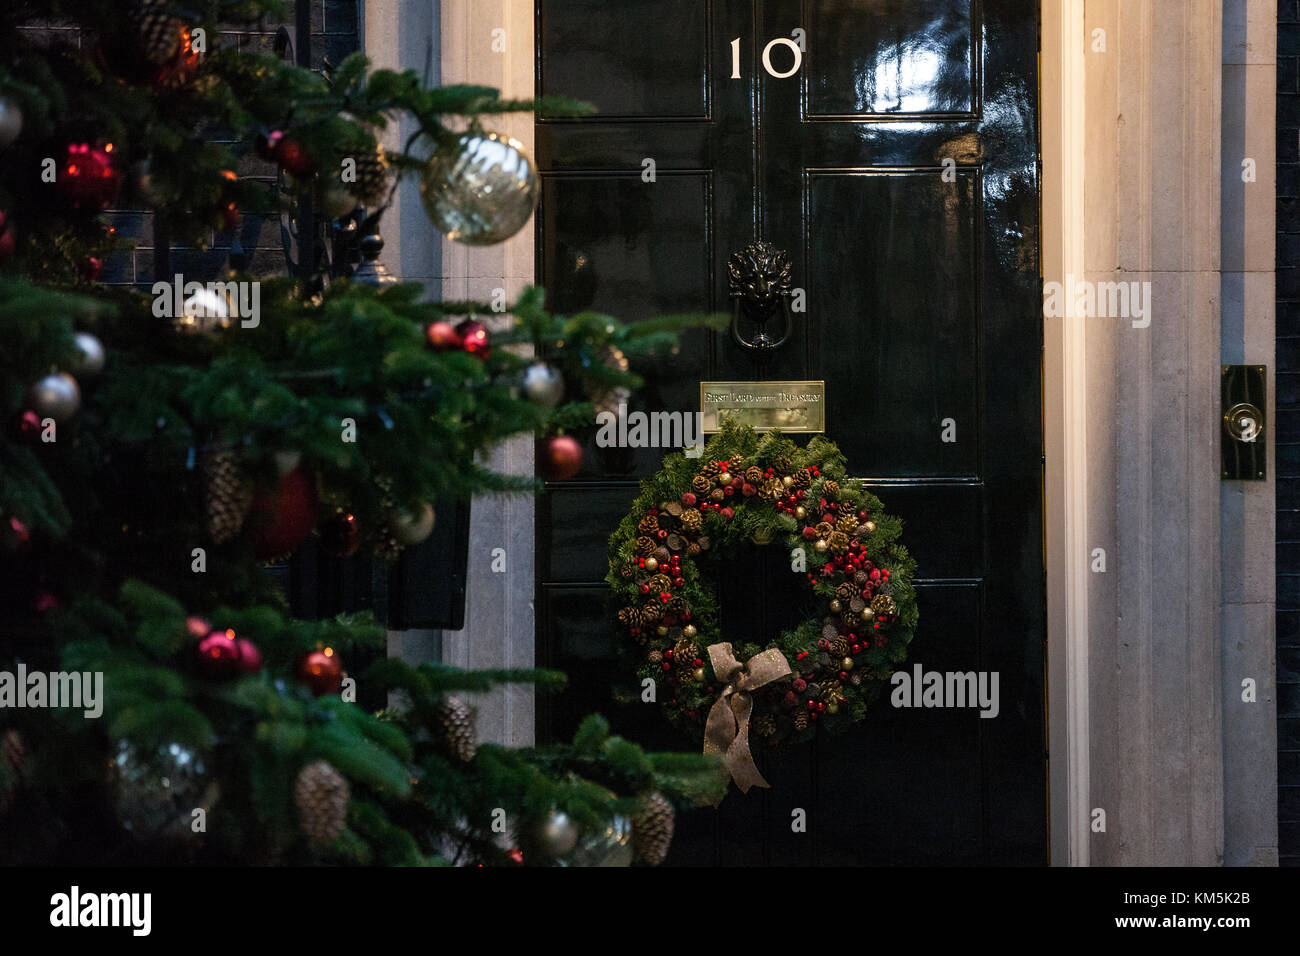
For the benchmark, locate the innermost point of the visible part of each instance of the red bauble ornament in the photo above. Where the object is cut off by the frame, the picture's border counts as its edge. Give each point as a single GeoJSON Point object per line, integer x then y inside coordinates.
{"type": "Point", "coordinates": [7, 240]}
{"type": "Point", "coordinates": [474, 338]}
{"type": "Point", "coordinates": [340, 534]}
{"type": "Point", "coordinates": [89, 177]}
{"type": "Point", "coordinates": [280, 518]}
{"type": "Point", "coordinates": [442, 337]}
{"type": "Point", "coordinates": [27, 428]}
{"type": "Point", "coordinates": [180, 69]}
{"type": "Point", "coordinates": [558, 458]}
{"type": "Point", "coordinates": [321, 672]}
{"type": "Point", "coordinates": [218, 655]}
{"type": "Point", "coordinates": [292, 157]}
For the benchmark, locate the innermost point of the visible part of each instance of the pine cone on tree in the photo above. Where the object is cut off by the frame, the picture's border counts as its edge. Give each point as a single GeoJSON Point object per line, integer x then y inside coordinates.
{"type": "Point", "coordinates": [455, 722]}
{"type": "Point", "coordinates": [652, 829]}
{"type": "Point", "coordinates": [157, 32]}
{"type": "Point", "coordinates": [371, 186]}
{"type": "Point", "coordinates": [607, 398]}
{"type": "Point", "coordinates": [321, 795]}
{"type": "Point", "coordinates": [226, 497]}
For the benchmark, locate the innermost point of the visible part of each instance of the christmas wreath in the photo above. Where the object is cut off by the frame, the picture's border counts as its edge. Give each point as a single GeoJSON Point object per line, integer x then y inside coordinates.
{"type": "Point", "coordinates": [695, 514]}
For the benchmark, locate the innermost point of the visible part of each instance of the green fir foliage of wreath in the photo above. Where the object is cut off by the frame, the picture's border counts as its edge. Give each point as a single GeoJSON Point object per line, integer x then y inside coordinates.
{"type": "Point", "coordinates": [758, 521]}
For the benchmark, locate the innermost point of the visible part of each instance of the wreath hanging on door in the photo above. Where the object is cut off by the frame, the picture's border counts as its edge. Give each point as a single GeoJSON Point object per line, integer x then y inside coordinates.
{"type": "Point", "coordinates": [690, 523]}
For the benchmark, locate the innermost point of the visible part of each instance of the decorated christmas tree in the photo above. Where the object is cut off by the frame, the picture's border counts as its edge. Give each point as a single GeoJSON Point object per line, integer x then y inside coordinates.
{"type": "Point", "coordinates": [158, 700]}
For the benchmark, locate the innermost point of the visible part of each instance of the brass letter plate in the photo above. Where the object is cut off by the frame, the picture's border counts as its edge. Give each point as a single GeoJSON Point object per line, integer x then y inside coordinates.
{"type": "Point", "coordinates": [789, 406]}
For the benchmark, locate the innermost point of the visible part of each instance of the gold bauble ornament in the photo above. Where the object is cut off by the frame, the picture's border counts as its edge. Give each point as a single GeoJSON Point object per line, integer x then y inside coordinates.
{"type": "Point", "coordinates": [787, 481]}
{"type": "Point", "coordinates": [846, 664]}
{"type": "Point", "coordinates": [801, 512]}
{"type": "Point", "coordinates": [836, 607]}
{"type": "Point", "coordinates": [652, 564]}
{"type": "Point", "coordinates": [833, 707]}
{"type": "Point", "coordinates": [724, 478]}
{"type": "Point", "coordinates": [871, 526]}
{"type": "Point", "coordinates": [698, 673]}
{"type": "Point", "coordinates": [661, 630]}
{"type": "Point", "coordinates": [867, 614]}
{"type": "Point", "coordinates": [689, 630]}
{"type": "Point", "coordinates": [820, 545]}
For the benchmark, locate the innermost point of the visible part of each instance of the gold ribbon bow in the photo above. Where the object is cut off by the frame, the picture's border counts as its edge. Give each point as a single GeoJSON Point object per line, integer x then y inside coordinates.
{"type": "Point", "coordinates": [727, 730]}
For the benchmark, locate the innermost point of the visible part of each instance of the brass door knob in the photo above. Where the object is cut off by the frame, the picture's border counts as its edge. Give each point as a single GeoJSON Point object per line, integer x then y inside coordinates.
{"type": "Point", "coordinates": [1244, 422]}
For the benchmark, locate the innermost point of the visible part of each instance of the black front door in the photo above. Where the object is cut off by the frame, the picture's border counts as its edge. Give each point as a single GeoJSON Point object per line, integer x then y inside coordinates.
{"type": "Point", "coordinates": [890, 146]}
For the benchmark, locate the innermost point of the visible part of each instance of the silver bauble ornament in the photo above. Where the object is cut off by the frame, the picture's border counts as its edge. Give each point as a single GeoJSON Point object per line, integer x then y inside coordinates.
{"type": "Point", "coordinates": [410, 528]}
{"type": "Point", "coordinates": [555, 835]}
{"type": "Point", "coordinates": [11, 121]}
{"type": "Point", "coordinates": [90, 355]}
{"type": "Point", "coordinates": [543, 384]}
{"type": "Point", "coordinates": [479, 190]}
{"type": "Point", "coordinates": [610, 845]}
{"type": "Point", "coordinates": [56, 396]}
{"type": "Point", "coordinates": [156, 791]}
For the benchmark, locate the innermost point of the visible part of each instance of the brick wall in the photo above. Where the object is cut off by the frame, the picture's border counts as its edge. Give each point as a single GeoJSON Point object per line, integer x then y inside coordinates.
{"type": "Point", "coordinates": [1288, 431]}
{"type": "Point", "coordinates": [335, 34]}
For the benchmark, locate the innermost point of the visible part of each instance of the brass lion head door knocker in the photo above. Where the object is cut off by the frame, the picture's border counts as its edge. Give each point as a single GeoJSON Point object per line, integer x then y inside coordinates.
{"type": "Point", "coordinates": [759, 277]}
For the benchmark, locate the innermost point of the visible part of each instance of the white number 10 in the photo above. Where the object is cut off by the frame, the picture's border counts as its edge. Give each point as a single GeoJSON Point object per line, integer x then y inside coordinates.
{"type": "Point", "coordinates": [767, 58]}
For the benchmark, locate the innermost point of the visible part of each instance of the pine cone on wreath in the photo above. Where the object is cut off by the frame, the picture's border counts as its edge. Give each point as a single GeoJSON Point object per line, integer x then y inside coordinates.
{"type": "Point", "coordinates": [226, 497]}
{"type": "Point", "coordinates": [754, 475]}
{"type": "Point", "coordinates": [627, 571]}
{"type": "Point", "coordinates": [651, 613]}
{"type": "Point", "coordinates": [655, 657]}
{"type": "Point", "coordinates": [772, 488]}
{"type": "Point", "coordinates": [846, 591]}
{"type": "Point", "coordinates": [800, 720]}
{"type": "Point", "coordinates": [648, 525]}
{"type": "Point", "coordinates": [676, 604]}
{"type": "Point", "coordinates": [693, 548]}
{"type": "Point", "coordinates": [783, 466]}
{"type": "Point", "coordinates": [832, 690]}
{"type": "Point", "coordinates": [884, 604]}
{"type": "Point", "coordinates": [455, 722]}
{"type": "Point", "coordinates": [802, 478]}
{"type": "Point", "coordinates": [735, 462]}
{"type": "Point", "coordinates": [839, 647]}
{"type": "Point", "coordinates": [710, 470]}
{"type": "Point", "coordinates": [659, 583]}
{"type": "Point", "coordinates": [371, 186]}
{"type": "Point", "coordinates": [652, 829]}
{"type": "Point", "coordinates": [765, 725]}
{"type": "Point", "coordinates": [830, 488]}
{"type": "Point", "coordinates": [692, 520]}
{"type": "Point", "coordinates": [847, 524]}
{"type": "Point", "coordinates": [645, 546]}
{"type": "Point", "coordinates": [157, 32]}
{"type": "Point", "coordinates": [824, 528]}
{"type": "Point", "coordinates": [321, 795]}
{"type": "Point", "coordinates": [838, 542]}
{"type": "Point", "coordinates": [701, 485]}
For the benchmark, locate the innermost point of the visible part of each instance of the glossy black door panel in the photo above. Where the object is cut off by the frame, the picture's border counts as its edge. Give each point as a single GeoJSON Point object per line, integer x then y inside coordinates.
{"type": "Point", "coordinates": [891, 58]}
{"type": "Point", "coordinates": [898, 167]}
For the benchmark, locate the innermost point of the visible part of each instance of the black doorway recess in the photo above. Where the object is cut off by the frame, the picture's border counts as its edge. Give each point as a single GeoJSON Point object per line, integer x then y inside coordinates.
{"type": "Point", "coordinates": [898, 167]}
